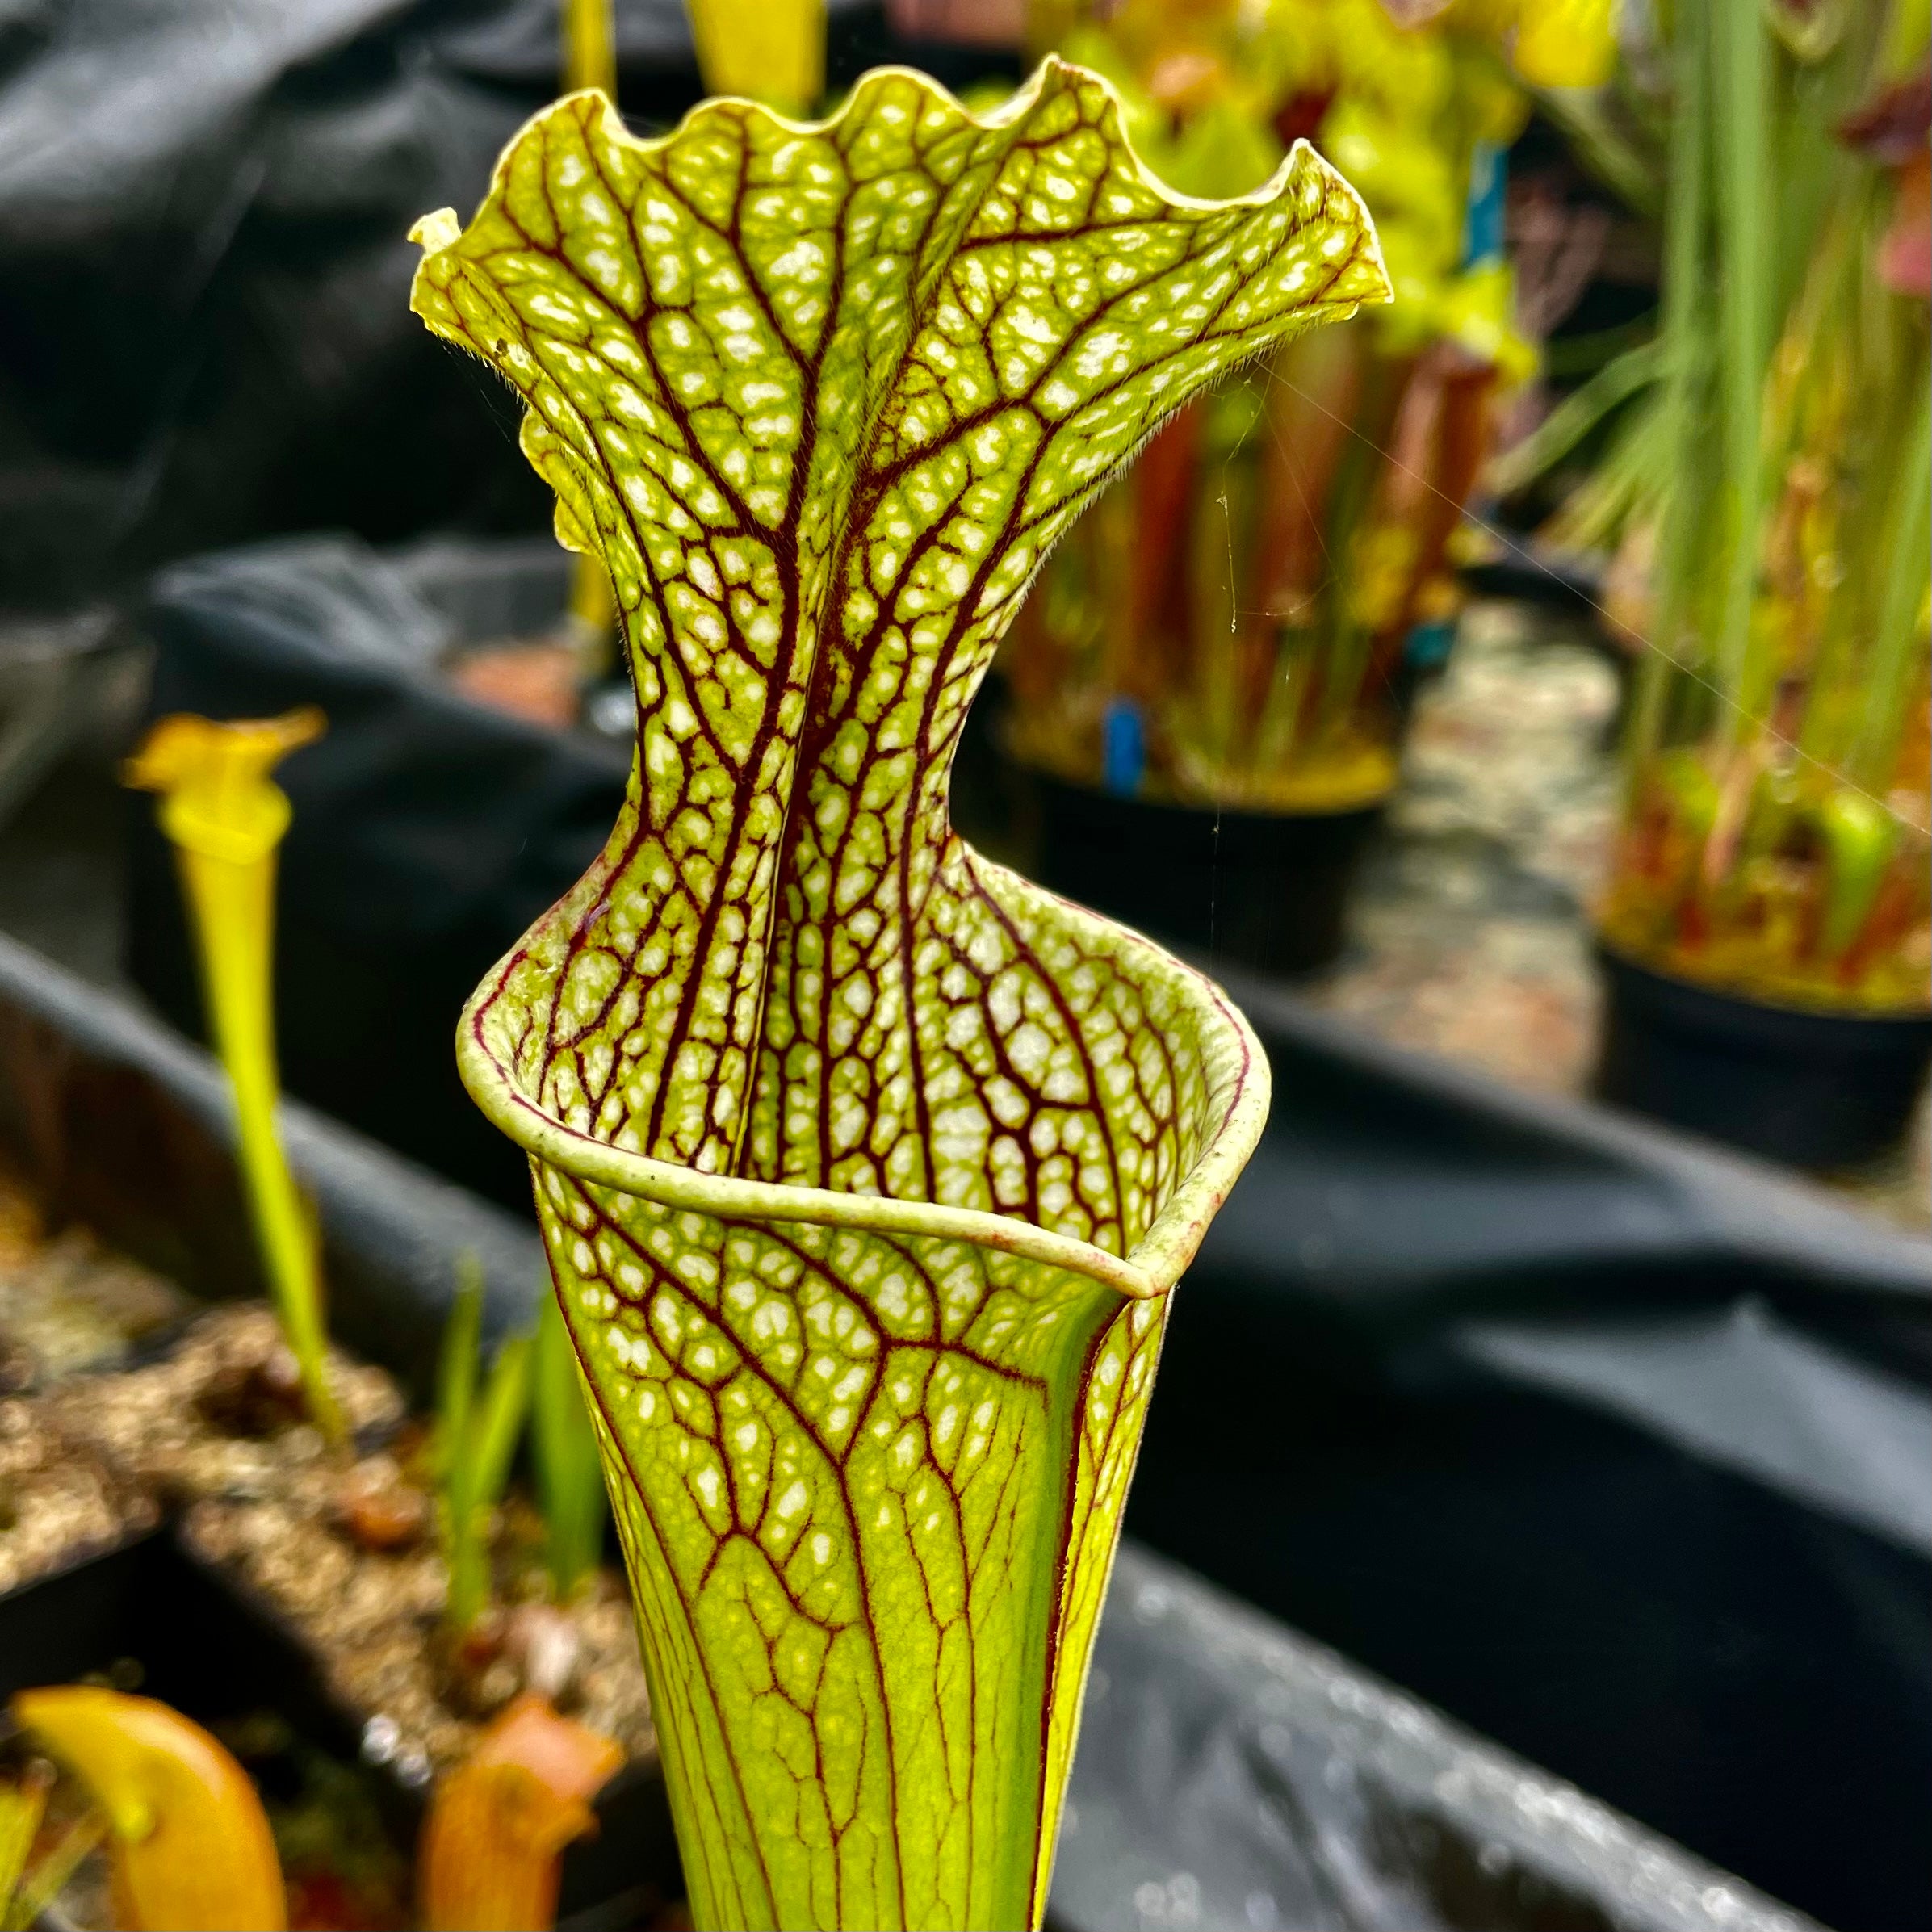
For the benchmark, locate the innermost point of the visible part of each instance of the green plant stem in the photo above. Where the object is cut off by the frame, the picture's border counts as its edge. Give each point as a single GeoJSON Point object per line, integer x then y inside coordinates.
{"type": "Point", "coordinates": [23, 1805]}
{"type": "Point", "coordinates": [500, 1420]}
{"type": "Point", "coordinates": [1682, 510]}
{"type": "Point", "coordinates": [45, 1884]}
{"type": "Point", "coordinates": [1622, 492]}
{"type": "Point", "coordinates": [456, 1377]}
{"type": "Point", "coordinates": [1888, 677]}
{"type": "Point", "coordinates": [475, 1441]}
{"type": "Point", "coordinates": [1574, 418]}
{"type": "Point", "coordinates": [570, 1474]}
{"type": "Point", "coordinates": [233, 903]}
{"type": "Point", "coordinates": [589, 47]}
{"type": "Point", "coordinates": [1577, 358]}
{"type": "Point", "coordinates": [1744, 154]}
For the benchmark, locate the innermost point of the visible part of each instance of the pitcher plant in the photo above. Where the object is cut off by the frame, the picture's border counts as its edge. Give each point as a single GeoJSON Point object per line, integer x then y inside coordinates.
{"type": "Point", "coordinates": [1232, 627]}
{"type": "Point", "coordinates": [866, 1167]}
{"type": "Point", "coordinates": [1765, 486]}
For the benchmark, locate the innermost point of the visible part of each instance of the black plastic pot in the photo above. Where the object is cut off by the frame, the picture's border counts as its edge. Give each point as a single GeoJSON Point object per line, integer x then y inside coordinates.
{"type": "Point", "coordinates": [1234, 1777]}
{"type": "Point", "coordinates": [154, 1616]}
{"type": "Point", "coordinates": [1265, 889]}
{"type": "Point", "coordinates": [1523, 571]}
{"type": "Point", "coordinates": [120, 1125]}
{"type": "Point", "coordinates": [1817, 1089]}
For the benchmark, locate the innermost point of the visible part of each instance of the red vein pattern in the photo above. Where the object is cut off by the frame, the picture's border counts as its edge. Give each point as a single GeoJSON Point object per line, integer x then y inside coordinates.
{"type": "Point", "coordinates": [821, 398]}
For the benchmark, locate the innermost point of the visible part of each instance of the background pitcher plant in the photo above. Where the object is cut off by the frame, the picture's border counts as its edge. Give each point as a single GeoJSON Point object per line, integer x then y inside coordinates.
{"type": "Point", "coordinates": [865, 1167]}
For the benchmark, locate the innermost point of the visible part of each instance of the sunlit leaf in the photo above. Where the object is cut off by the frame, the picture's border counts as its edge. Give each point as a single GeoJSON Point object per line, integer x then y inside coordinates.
{"type": "Point", "coordinates": [864, 1166]}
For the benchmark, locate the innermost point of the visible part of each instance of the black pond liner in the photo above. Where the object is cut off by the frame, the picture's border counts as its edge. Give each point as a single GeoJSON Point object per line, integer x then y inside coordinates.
{"type": "Point", "coordinates": [1820, 1090]}
{"type": "Point", "coordinates": [1232, 1775]}
{"type": "Point", "coordinates": [1268, 890]}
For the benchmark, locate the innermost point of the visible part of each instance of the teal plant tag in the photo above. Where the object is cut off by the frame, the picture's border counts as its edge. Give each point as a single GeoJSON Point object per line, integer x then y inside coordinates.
{"type": "Point", "coordinates": [865, 1166]}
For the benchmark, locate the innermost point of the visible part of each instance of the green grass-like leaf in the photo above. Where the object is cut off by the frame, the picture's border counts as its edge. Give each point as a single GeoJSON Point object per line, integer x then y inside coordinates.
{"type": "Point", "coordinates": [564, 1446]}
{"type": "Point", "coordinates": [864, 1166]}
{"type": "Point", "coordinates": [475, 1439]}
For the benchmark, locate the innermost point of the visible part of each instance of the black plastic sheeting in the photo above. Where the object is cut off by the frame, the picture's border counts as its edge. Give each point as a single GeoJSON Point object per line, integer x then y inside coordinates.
{"type": "Point", "coordinates": [1619, 1450]}
{"type": "Point", "coordinates": [1231, 1777]}
{"type": "Point", "coordinates": [204, 326]}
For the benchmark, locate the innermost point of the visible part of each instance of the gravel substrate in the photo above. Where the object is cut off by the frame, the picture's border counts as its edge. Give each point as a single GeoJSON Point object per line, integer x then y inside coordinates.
{"type": "Point", "coordinates": [97, 1444]}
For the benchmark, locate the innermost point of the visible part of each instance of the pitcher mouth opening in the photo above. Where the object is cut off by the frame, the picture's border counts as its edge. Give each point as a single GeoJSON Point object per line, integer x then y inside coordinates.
{"type": "Point", "coordinates": [1149, 1269]}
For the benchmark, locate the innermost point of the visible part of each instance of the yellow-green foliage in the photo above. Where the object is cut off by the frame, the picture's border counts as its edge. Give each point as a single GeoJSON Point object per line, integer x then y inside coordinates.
{"type": "Point", "coordinates": [865, 1166]}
